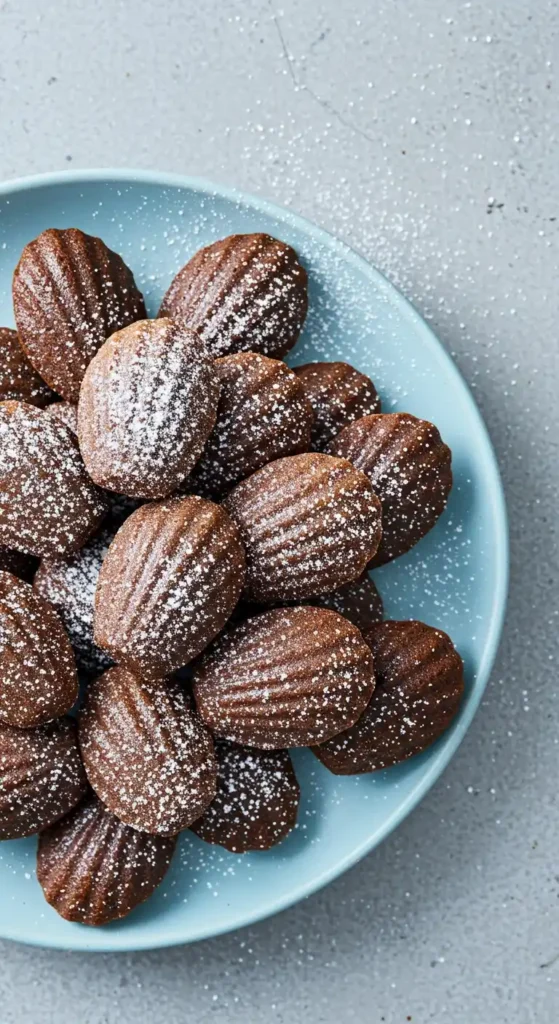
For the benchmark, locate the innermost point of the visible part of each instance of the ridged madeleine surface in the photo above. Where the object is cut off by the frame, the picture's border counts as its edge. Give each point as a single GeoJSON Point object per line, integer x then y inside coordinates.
{"type": "Point", "coordinates": [263, 414]}
{"type": "Point", "coordinates": [309, 523]}
{"type": "Point", "coordinates": [338, 394]}
{"type": "Point", "coordinates": [69, 584]}
{"type": "Point", "coordinates": [169, 582]}
{"type": "Point", "coordinates": [419, 688]}
{"type": "Point", "coordinates": [70, 294]}
{"type": "Point", "coordinates": [42, 776]}
{"type": "Point", "coordinates": [147, 755]}
{"type": "Point", "coordinates": [243, 293]}
{"type": "Point", "coordinates": [286, 678]}
{"type": "Point", "coordinates": [19, 382]}
{"type": "Point", "coordinates": [147, 406]}
{"type": "Point", "coordinates": [38, 678]}
{"type": "Point", "coordinates": [94, 869]}
{"type": "Point", "coordinates": [409, 467]}
{"type": "Point", "coordinates": [256, 803]}
{"type": "Point", "coordinates": [48, 504]}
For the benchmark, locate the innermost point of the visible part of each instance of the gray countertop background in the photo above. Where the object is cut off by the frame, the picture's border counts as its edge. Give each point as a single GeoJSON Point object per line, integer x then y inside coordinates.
{"type": "Point", "coordinates": [424, 132]}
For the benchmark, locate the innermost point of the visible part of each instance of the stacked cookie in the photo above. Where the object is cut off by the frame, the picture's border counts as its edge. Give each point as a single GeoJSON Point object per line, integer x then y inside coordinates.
{"type": "Point", "coordinates": [187, 524]}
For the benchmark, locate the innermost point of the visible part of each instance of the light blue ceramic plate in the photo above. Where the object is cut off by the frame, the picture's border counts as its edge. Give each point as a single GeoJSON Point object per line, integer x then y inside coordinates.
{"type": "Point", "coordinates": [456, 578]}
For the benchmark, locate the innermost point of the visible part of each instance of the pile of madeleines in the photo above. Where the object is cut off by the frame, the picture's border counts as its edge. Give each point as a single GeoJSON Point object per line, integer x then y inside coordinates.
{"type": "Point", "coordinates": [186, 526]}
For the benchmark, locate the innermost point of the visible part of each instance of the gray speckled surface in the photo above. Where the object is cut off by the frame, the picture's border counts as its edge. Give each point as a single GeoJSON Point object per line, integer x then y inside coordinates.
{"type": "Point", "coordinates": [424, 133]}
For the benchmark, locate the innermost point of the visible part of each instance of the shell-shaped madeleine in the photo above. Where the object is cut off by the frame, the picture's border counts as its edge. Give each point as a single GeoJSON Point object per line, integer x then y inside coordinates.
{"type": "Point", "coordinates": [19, 382]}
{"type": "Point", "coordinates": [286, 678]}
{"type": "Point", "coordinates": [409, 467]}
{"type": "Point", "coordinates": [147, 406]}
{"type": "Point", "coordinates": [147, 755]}
{"type": "Point", "coordinates": [168, 584]}
{"type": "Point", "coordinates": [65, 413]}
{"type": "Point", "coordinates": [309, 523]}
{"type": "Point", "coordinates": [358, 601]}
{"type": "Point", "coordinates": [70, 293]}
{"type": "Point", "coordinates": [420, 682]}
{"type": "Point", "coordinates": [38, 678]}
{"type": "Point", "coordinates": [94, 869]}
{"type": "Point", "coordinates": [263, 414]}
{"type": "Point", "coordinates": [48, 504]}
{"type": "Point", "coordinates": [257, 798]}
{"type": "Point", "coordinates": [245, 292]}
{"type": "Point", "coordinates": [339, 394]}
{"type": "Point", "coordinates": [69, 584]}
{"type": "Point", "coordinates": [42, 776]}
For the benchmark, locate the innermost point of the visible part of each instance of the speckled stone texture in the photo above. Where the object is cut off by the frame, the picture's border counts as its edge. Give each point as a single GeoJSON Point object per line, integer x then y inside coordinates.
{"type": "Point", "coordinates": [425, 135]}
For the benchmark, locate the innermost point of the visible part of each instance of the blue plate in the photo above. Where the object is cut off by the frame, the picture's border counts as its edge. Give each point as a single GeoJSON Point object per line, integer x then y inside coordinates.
{"type": "Point", "coordinates": [456, 578]}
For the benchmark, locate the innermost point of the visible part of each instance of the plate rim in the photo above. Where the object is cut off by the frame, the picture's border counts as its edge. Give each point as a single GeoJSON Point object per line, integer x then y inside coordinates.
{"type": "Point", "coordinates": [106, 940]}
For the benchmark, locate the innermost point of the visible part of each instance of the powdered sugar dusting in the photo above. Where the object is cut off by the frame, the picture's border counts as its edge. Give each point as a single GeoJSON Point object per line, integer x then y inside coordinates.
{"type": "Point", "coordinates": [147, 756]}
{"type": "Point", "coordinates": [66, 413]}
{"type": "Point", "coordinates": [169, 583]}
{"type": "Point", "coordinates": [147, 405]}
{"type": "Point", "coordinates": [42, 776]}
{"type": "Point", "coordinates": [48, 504]}
{"type": "Point", "coordinates": [94, 869]}
{"type": "Point", "coordinates": [286, 678]}
{"type": "Point", "coordinates": [70, 293]}
{"type": "Point", "coordinates": [244, 292]}
{"type": "Point", "coordinates": [310, 523]}
{"type": "Point", "coordinates": [338, 394]}
{"type": "Point", "coordinates": [262, 415]}
{"type": "Point", "coordinates": [37, 667]}
{"type": "Point", "coordinates": [409, 469]}
{"type": "Point", "coordinates": [256, 803]}
{"type": "Point", "coordinates": [69, 584]}
{"type": "Point", "coordinates": [18, 380]}
{"type": "Point", "coordinates": [419, 688]}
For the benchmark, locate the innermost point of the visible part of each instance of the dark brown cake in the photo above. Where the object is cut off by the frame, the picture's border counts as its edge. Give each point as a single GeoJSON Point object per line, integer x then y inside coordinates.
{"type": "Point", "coordinates": [262, 415]}
{"type": "Point", "coordinates": [42, 776]}
{"type": "Point", "coordinates": [148, 757]}
{"type": "Point", "coordinates": [309, 523]}
{"type": "Point", "coordinates": [48, 504]}
{"type": "Point", "coordinates": [409, 469]}
{"type": "Point", "coordinates": [419, 688]}
{"type": "Point", "coordinates": [19, 382]}
{"type": "Point", "coordinates": [119, 506]}
{"type": "Point", "coordinates": [169, 582]}
{"type": "Point", "coordinates": [38, 674]}
{"type": "Point", "coordinates": [245, 292]}
{"type": "Point", "coordinates": [70, 294]}
{"type": "Point", "coordinates": [148, 404]}
{"type": "Point", "coordinates": [256, 803]}
{"type": "Point", "coordinates": [69, 584]}
{"type": "Point", "coordinates": [286, 678]}
{"type": "Point", "coordinates": [23, 566]}
{"type": "Point", "coordinates": [94, 869]}
{"type": "Point", "coordinates": [338, 394]}
{"type": "Point", "coordinates": [359, 601]}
